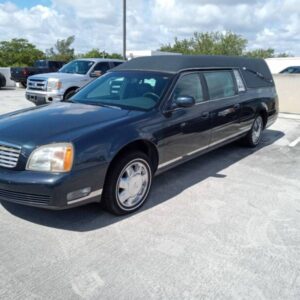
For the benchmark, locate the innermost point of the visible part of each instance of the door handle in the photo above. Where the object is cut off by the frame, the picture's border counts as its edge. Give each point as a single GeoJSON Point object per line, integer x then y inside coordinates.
{"type": "Point", "coordinates": [205, 115]}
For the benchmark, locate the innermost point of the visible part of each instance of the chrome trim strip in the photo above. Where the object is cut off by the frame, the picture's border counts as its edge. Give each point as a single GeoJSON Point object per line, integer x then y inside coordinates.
{"type": "Point", "coordinates": [91, 195]}
{"type": "Point", "coordinates": [169, 162]}
{"type": "Point", "coordinates": [200, 149]}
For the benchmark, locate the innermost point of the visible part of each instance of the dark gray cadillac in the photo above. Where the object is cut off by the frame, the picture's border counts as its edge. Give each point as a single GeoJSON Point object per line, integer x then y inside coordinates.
{"type": "Point", "coordinates": [141, 118]}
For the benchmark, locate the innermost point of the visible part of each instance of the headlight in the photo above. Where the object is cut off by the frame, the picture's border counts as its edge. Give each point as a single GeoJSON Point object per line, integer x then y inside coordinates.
{"type": "Point", "coordinates": [53, 84]}
{"type": "Point", "coordinates": [52, 158]}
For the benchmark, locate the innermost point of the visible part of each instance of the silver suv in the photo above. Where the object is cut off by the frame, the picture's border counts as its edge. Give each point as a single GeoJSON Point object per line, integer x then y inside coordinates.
{"type": "Point", "coordinates": [51, 87]}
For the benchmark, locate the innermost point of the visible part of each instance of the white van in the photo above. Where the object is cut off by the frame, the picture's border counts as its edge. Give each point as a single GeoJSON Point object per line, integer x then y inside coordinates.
{"type": "Point", "coordinates": [5, 80]}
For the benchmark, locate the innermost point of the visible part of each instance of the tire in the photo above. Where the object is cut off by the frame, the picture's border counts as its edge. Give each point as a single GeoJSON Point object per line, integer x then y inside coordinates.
{"type": "Point", "coordinates": [24, 84]}
{"type": "Point", "coordinates": [253, 137]}
{"type": "Point", "coordinates": [69, 94]}
{"type": "Point", "coordinates": [128, 183]}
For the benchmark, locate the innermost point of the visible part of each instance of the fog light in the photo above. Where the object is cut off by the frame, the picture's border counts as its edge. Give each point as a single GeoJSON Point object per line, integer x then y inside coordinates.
{"type": "Point", "coordinates": [79, 194]}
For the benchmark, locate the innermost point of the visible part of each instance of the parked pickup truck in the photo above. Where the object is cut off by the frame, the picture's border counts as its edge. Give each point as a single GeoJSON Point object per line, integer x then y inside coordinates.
{"type": "Point", "coordinates": [40, 66]}
{"type": "Point", "coordinates": [63, 84]}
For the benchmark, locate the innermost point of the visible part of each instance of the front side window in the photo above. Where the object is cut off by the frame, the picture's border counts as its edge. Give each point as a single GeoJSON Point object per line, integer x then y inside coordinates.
{"type": "Point", "coordinates": [77, 67]}
{"type": "Point", "coordinates": [189, 85]}
{"type": "Point", "coordinates": [128, 90]}
{"type": "Point", "coordinates": [102, 67]}
{"type": "Point", "coordinates": [117, 63]}
{"type": "Point", "coordinates": [220, 84]}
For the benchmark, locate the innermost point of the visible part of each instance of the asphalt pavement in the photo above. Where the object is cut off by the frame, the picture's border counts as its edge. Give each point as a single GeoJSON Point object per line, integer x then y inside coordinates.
{"type": "Point", "coordinates": [223, 226]}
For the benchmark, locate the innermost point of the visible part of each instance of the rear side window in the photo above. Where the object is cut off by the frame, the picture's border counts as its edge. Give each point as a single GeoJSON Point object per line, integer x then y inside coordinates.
{"type": "Point", "coordinates": [220, 84]}
{"type": "Point", "coordinates": [189, 85]}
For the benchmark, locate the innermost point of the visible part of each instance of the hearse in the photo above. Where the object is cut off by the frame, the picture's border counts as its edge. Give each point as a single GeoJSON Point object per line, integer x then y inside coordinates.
{"type": "Point", "coordinates": [143, 117]}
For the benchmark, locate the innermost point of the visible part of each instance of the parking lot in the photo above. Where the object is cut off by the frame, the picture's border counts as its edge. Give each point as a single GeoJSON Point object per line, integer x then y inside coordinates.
{"type": "Point", "coordinates": [223, 226]}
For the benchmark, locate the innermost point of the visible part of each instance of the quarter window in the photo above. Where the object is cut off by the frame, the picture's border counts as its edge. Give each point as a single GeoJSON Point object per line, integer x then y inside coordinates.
{"type": "Point", "coordinates": [239, 81]}
{"type": "Point", "coordinates": [220, 84]}
{"type": "Point", "coordinates": [189, 85]}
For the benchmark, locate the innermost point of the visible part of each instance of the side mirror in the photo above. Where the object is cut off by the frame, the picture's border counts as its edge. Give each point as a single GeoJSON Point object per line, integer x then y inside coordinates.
{"type": "Point", "coordinates": [185, 101]}
{"type": "Point", "coordinates": [96, 74]}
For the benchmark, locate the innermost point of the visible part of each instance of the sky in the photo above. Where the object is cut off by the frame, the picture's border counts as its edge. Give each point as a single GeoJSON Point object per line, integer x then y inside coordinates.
{"type": "Point", "coordinates": [150, 23]}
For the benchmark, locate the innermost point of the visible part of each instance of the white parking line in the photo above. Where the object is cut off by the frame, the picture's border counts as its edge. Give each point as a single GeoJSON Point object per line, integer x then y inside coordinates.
{"type": "Point", "coordinates": [295, 142]}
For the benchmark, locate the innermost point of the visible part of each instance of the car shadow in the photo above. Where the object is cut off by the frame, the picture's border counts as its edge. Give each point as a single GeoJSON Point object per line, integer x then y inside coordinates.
{"type": "Point", "coordinates": [165, 186]}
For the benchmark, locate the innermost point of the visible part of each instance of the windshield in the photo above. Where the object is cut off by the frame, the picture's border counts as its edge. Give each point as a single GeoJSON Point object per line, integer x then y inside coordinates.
{"type": "Point", "coordinates": [77, 67]}
{"type": "Point", "coordinates": [130, 90]}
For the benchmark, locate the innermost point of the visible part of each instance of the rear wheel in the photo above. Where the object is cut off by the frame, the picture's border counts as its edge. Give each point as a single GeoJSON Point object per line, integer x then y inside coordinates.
{"type": "Point", "coordinates": [253, 137]}
{"type": "Point", "coordinates": [128, 183]}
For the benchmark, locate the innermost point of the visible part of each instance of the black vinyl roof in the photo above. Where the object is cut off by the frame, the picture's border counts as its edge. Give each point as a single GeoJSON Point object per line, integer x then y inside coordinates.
{"type": "Point", "coordinates": [255, 71]}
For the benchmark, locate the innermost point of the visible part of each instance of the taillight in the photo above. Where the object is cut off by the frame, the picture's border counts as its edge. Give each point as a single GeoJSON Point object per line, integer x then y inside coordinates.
{"type": "Point", "coordinates": [25, 71]}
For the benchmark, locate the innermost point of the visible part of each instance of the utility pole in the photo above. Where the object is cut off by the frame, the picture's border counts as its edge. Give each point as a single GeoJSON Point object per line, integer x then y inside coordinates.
{"type": "Point", "coordinates": [124, 29]}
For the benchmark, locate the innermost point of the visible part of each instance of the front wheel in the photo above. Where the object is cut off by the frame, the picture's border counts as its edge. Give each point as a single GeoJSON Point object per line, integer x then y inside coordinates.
{"type": "Point", "coordinates": [128, 183]}
{"type": "Point", "coordinates": [69, 94]}
{"type": "Point", "coordinates": [253, 137]}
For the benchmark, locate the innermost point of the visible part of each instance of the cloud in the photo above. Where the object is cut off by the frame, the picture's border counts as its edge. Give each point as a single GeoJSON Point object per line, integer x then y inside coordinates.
{"type": "Point", "coordinates": [151, 23]}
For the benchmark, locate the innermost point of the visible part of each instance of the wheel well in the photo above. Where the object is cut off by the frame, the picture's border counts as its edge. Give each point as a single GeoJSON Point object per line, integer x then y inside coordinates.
{"type": "Point", "coordinates": [2, 80]}
{"type": "Point", "coordinates": [69, 90]}
{"type": "Point", "coordinates": [264, 116]}
{"type": "Point", "coordinates": [141, 145]}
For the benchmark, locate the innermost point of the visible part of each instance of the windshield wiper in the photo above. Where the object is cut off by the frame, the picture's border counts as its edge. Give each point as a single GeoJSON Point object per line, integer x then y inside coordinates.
{"type": "Point", "coordinates": [110, 106]}
{"type": "Point", "coordinates": [261, 76]}
{"type": "Point", "coordinates": [102, 104]}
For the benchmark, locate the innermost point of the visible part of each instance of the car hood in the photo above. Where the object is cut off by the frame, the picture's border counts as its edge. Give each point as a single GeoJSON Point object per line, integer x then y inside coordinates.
{"type": "Point", "coordinates": [56, 122]}
{"type": "Point", "coordinates": [57, 75]}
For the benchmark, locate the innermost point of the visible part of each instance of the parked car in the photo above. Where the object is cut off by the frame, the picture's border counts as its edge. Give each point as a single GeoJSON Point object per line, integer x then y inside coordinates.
{"type": "Point", "coordinates": [291, 70]}
{"type": "Point", "coordinates": [40, 66]}
{"type": "Point", "coordinates": [140, 119]}
{"type": "Point", "coordinates": [62, 85]}
{"type": "Point", "coordinates": [5, 80]}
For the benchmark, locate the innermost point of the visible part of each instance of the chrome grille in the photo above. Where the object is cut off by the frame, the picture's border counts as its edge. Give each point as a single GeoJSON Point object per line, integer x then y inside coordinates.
{"type": "Point", "coordinates": [37, 84]}
{"type": "Point", "coordinates": [9, 156]}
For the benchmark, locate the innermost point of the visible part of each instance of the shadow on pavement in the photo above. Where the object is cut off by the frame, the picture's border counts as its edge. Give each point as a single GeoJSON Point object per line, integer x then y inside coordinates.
{"type": "Point", "coordinates": [165, 187]}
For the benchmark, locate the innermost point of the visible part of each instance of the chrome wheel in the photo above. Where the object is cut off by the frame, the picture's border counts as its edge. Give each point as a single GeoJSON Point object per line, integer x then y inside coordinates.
{"type": "Point", "coordinates": [133, 184]}
{"type": "Point", "coordinates": [257, 130]}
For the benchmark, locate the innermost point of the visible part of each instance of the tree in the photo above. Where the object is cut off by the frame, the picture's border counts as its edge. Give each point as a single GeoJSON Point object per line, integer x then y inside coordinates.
{"type": "Point", "coordinates": [261, 53]}
{"type": "Point", "coordinates": [218, 43]}
{"type": "Point", "coordinates": [209, 43]}
{"type": "Point", "coordinates": [19, 52]}
{"type": "Point", "coordinates": [62, 50]}
{"type": "Point", "coordinates": [96, 53]}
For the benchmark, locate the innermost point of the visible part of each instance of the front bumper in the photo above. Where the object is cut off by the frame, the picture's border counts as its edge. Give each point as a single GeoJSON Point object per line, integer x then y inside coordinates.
{"type": "Point", "coordinates": [271, 120]}
{"type": "Point", "coordinates": [43, 97]}
{"type": "Point", "coordinates": [50, 190]}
